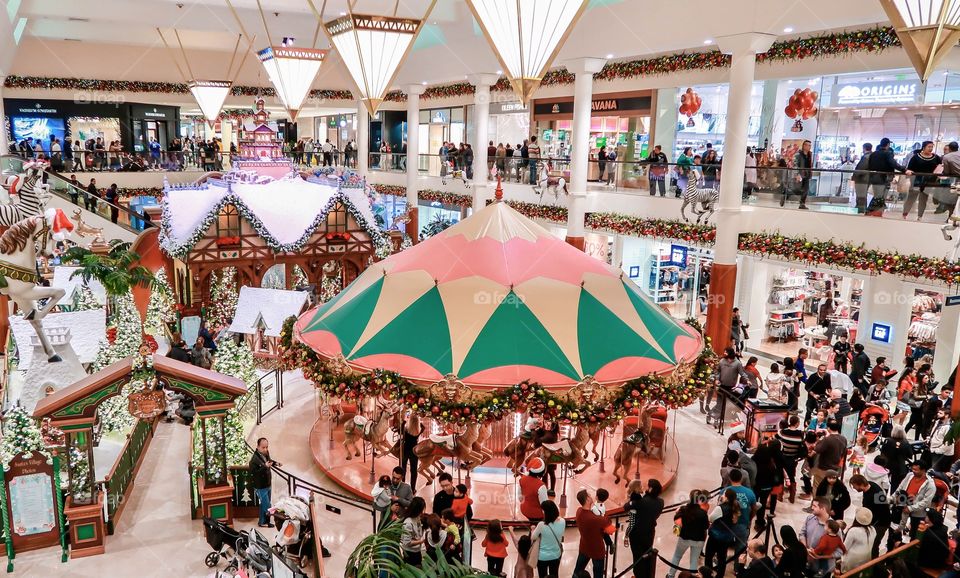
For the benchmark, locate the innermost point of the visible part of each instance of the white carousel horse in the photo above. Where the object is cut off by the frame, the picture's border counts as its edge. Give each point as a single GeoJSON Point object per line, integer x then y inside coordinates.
{"type": "Point", "coordinates": [455, 174]}
{"type": "Point", "coordinates": [546, 182]}
{"type": "Point", "coordinates": [18, 269]}
{"type": "Point", "coordinates": [693, 195]}
{"type": "Point", "coordinates": [369, 430]}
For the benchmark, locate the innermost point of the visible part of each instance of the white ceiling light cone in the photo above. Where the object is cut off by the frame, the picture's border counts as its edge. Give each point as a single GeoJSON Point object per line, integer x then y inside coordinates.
{"type": "Point", "coordinates": [927, 29]}
{"type": "Point", "coordinates": [210, 95]}
{"type": "Point", "coordinates": [292, 71]}
{"type": "Point", "coordinates": [373, 48]}
{"type": "Point", "coordinates": [526, 36]}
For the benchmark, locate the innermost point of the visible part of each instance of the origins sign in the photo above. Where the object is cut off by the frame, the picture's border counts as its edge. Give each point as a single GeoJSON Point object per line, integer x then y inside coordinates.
{"type": "Point", "coordinates": [894, 92]}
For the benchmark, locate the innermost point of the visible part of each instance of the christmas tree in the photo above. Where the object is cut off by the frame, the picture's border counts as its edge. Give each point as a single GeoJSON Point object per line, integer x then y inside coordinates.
{"type": "Point", "coordinates": [223, 298]}
{"type": "Point", "coordinates": [127, 331]}
{"type": "Point", "coordinates": [236, 360]}
{"type": "Point", "coordinates": [21, 433]}
{"type": "Point", "coordinates": [160, 310]}
{"type": "Point", "coordinates": [299, 277]}
{"type": "Point", "coordinates": [86, 300]}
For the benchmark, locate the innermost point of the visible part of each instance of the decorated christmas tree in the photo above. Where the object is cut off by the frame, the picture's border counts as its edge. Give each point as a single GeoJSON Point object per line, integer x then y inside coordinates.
{"type": "Point", "coordinates": [223, 297]}
{"type": "Point", "coordinates": [86, 300]}
{"type": "Point", "coordinates": [329, 288]}
{"type": "Point", "coordinates": [236, 360]}
{"type": "Point", "coordinates": [21, 433]}
{"type": "Point", "coordinates": [123, 340]}
{"type": "Point", "coordinates": [299, 277]}
{"type": "Point", "coordinates": [161, 309]}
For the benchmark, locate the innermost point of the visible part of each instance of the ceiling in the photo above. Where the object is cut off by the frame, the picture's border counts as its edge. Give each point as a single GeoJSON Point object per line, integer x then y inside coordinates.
{"type": "Point", "coordinates": [117, 39]}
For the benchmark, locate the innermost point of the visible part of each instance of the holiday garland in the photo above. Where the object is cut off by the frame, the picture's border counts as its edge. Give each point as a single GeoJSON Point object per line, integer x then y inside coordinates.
{"type": "Point", "coordinates": [657, 228]}
{"type": "Point", "coordinates": [554, 213]}
{"type": "Point", "coordinates": [820, 46]}
{"type": "Point", "coordinates": [678, 390]}
{"type": "Point", "coordinates": [432, 195]}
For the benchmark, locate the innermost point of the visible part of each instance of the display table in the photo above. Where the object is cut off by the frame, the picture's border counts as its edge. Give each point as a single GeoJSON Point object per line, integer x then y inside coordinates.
{"type": "Point", "coordinates": [763, 420]}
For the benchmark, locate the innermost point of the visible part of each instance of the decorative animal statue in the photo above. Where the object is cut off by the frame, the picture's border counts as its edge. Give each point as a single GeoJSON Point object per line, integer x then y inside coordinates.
{"type": "Point", "coordinates": [517, 449]}
{"type": "Point", "coordinates": [693, 195]}
{"type": "Point", "coordinates": [31, 198]}
{"type": "Point", "coordinates": [571, 451]}
{"type": "Point", "coordinates": [457, 445]}
{"type": "Point", "coordinates": [18, 269]}
{"type": "Point", "coordinates": [455, 174]}
{"type": "Point", "coordinates": [546, 182]}
{"type": "Point", "coordinates": [83, 229]}
{"type": "Point", "coordinates": [634, 443]}
{"type": "Point", "coordinates": [369, 430]}
{"type": "Point", "coordinates": [595, 433]}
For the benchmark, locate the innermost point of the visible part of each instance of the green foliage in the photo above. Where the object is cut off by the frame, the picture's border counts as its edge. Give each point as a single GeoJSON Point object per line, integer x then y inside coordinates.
{"type": "Point", "coordinates": [236, 360]}
{"type": "Point", "coordinates": [160, 310]}
{"type": "Point", "coordinates": [118, 271]}
{"type": "Point", "coordinates": [86, 300]}
{"type": "Point", "coordinates": [436, 225]}
{"type": "Point", "coordinates": [112, 413]}
{"type": "Point", "coordinates": [378, 555]}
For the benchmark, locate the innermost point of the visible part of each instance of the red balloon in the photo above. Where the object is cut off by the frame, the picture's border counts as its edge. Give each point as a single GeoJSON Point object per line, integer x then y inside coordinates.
{"type": "Point", "coordinates": [806, 114]}
{"type": "Point", "coordinates": [790, 111]}
{"type": "Point", "coordinates": [683, 98]}
{"type": "Point", "coordinates": [815, 95]}
{"type": "Point", "coordinates": [806, 91]}
{"type": "Point", "coordinates": [797, 92]}
{"type": "Point", "coordinates": [814, 111]}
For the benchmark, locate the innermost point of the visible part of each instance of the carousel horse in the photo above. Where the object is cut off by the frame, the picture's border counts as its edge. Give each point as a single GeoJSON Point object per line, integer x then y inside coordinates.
{"type": "Point", "coordinates": [517, 449]}
{"type": "Point", "coordinates": [369, 430]}
{"type": "Point", "coordinates": [482, 436]}
{"type": "Point", "coordinates": [545, 182]}
{"type": "Point", "coordinates": [437, 446]}
{"type": "Point", "coordinates": [634, 443]}
{"type": "Point", "coordinates": [568, 451]}
{"type": "Point", "coordinates": [18, 269]}
{"type": "Point", "coordinates": [456, 174]}
{"type": "Point", "coordinates": [31, 195]}
{"type": "Point", "coordinates": [595, 434]}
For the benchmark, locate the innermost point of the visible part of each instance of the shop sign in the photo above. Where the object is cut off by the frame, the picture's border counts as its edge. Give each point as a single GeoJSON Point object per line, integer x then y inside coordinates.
{"type": "Point", "coordinates": [606, 104]}
{"type": "Point", "coordinates": [678, 256]}
{"type": "Point", "coordinates": [877, 93]}
{"type": "Point", "coordinates": [38, 109]}
{"type": "Point", "coordinates": [881, 332]}
{"type": "Point", "coordinates": [507, 108]}
{"type": "Point", "coordinates": [597, 105]}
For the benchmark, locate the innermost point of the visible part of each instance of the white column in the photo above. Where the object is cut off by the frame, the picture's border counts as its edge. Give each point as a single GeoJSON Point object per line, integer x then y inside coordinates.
{"type": "Point", "coordinates": [665, 127]}
{"type": "Point", "coordinates": [363, 138]}
{"type": "Point", "coordinates": [481, 116]}
{"type": "Point", "coordinates": [413, 141]}
{"type": "Point", "coordinates": [584, 69]}
{"type": "Point", "coordinates": [948, 343]}
{"type": "Point", "coordinates": [886, 301]}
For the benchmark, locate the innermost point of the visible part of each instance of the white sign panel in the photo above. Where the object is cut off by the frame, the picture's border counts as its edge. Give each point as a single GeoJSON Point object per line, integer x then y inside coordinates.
{"type": "Point", "coordinates": [894, 92]}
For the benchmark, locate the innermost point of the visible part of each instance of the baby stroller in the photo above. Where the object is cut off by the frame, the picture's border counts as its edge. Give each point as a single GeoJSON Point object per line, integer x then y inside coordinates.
{"type": "Point", "coordinates": [872, 420]}
{"type": "Point", "coordinates": [295, 536]}
{"type": "Point", "coordinates": [226, 542]}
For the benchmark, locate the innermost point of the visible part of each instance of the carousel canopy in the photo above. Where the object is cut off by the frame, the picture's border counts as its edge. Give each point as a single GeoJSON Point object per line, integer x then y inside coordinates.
{"type": "Point", "coordinates": [495, 300]}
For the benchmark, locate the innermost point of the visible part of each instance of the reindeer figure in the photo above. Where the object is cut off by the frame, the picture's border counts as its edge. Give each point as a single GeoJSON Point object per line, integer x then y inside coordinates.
{"type": "Point", "coordinates": [455, 445]}
{"type": "Point", "coordinates": [373, 431]}
{"type": "Point", "coordinates": [83, 229]}
{"type": "Point", "coordinates": [634, 443]}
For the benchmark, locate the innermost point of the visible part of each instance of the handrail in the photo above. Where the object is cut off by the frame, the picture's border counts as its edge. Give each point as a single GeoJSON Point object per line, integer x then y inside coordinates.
{"type": "Point", "coordinates": [317, 541]}
{"type": "Point", "coordinates": [886, 556]}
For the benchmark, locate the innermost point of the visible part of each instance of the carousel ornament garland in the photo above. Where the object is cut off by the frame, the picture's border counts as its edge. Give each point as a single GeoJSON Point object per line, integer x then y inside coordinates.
{"type": "Point", "coordinates": [334, 377]}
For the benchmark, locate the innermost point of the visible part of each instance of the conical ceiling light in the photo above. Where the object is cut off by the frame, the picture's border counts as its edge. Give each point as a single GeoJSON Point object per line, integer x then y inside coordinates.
{"type": "Point", "coordinates": [526, 36]}
{"type": "Point", "coordinates": [928, 29]}
{"type": "Point", "coordinates": [210, 95]}
{"type": "Point", "coordinates": [373, 47]}
{"type": "Point", "coordinates": [292, 71]}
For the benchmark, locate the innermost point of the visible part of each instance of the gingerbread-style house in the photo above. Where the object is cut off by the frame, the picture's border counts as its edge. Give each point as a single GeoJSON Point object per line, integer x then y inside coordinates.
{"type": "Point", "coordinates": [276, 233]}
{"type": "Point", "coordinates": [260, 316]}
{"type": "Point", "coordinates": [258, 140]}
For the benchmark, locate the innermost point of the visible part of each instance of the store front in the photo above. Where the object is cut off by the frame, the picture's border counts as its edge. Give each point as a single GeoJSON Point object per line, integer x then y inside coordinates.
{"type": "Point", "coordinates": [675, 275]}
{"type": "Point", "coordinates": [509, 123]}
{"type": "Point", "coordinates": [66, 120]}
{"type": "Point", "coordinates": [338, 128]}
{"type": "Point", "coordinates": [149, 122]}
{"type": "Point", "coordinates": [437, 126]}
{"type": "Point", "coordinates": [709, 125]}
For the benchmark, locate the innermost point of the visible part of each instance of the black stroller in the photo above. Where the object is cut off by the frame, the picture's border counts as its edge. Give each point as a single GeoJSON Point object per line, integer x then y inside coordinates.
{"type": "Point", "coordinates": [226, 542]}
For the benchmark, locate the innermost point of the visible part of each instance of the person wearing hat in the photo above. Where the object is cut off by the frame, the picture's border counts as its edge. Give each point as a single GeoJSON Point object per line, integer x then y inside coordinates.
{"type": "Point", "coordinates": [533, 491]}
{"type": "Point", "coordinates": [832, 488]}
{"type": "Point", "coordinates": [859, 540]}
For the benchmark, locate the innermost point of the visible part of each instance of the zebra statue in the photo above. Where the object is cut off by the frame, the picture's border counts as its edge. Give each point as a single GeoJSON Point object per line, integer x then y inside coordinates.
{"type": "Point", "coordinates": [693, 195]}
{"type": "Point", "coordinates": [31, 196]}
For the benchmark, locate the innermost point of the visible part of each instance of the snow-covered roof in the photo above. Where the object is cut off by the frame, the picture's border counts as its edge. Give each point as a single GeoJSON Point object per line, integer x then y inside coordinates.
{"type": "Point", "coordinates": [87, 329]}
{"type": "Point", "coordinates": [288, 208]}
{"type": "Point", "coordinates": [62, 280]}
{"type": "Point", "coordinates": [273, 306]}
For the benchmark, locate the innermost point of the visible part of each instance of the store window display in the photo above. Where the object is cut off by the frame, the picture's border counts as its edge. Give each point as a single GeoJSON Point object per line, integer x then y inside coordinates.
{"type": "Point", "coordinates": [676, 276]}
{"type": "Point", "coordinates": [924, 320]}
{"type": "Point", "coordinates": [709, 124]}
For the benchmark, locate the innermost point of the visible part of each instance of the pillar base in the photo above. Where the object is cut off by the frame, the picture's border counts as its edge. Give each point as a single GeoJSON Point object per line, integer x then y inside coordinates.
{"type": "Point", "coordinates": [216, 501]}
{"type": "Point", "coordinates": [723, 286]}
{"type": "Point", "coordinates": [87, 530]}
{"type": "Point", "coordinates": [578, 242]}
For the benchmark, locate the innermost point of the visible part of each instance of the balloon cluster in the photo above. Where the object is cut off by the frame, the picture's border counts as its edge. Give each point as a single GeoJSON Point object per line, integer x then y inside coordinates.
{"type": "Point", "coordinates": [690, 103]}
{"type": "Point", "coordinates": [802, 105]}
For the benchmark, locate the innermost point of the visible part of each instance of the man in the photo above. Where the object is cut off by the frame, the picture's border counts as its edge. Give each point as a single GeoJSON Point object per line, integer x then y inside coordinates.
{"type": "Point", "coordinates": [748, 505]}
{"type": "Point", "coordinates": [882, 164]}
{"type": "Point", "coordinates": [803, 162]}
{"type": "Point", "coordinates": [154, 153]}
{"type": "Point", "coordinates": [442, 153]}
{"type": "Point", "coordinates": [830, 453]}
{"type": "Point", "coordinates": [861, 368]}
{"type": "Point", "coordinates": [533, 153]}
{"type": "Point", "coordinates": [841, 354]}
{"type": "Point", "coordinates": [658, 171]}
{"type": "Point", "coordinates": [90, 199]}
{"type": "Point", "coordinates": [401, 492]}
{"type": "Point", "coordinates": [818, 390]}
{"type": "Point", "coordinates": [524, 161]}
{"type": "Point", "coordinates": [178, 350]}
{"type": "Point", "coordinates": [911, 500]}
{"type": "Point", "coordinates": [491, 156]}
{"type": "Point", "coordinates": [738, 460]}
{"type": "Point", "coordinates": [759, 565]}
{"type": "Point", "coordinates": [74, 190]}
{"type": "Point", "coordinates": [881, 371]}
{"type": "Point", "coordinates": [875, 500]}
{"type": "Point", "coordinates": [112, 197]}
{"type": "Point", "coordinates": [940, 450]}
{"type": "Point", "coordinates": [815, 526]}
{"type": "Point", "coordinates": [592, 529]}
{"type": "Point", "coordinates": [327, 149]}
{"type": "Point", "coordinates": [308, 152]}
{"type": "Point", "coordinates": [729, 373]}
{"type": "Point", "coordinates": [861, 179]}
{"type": "Point", "coordinates": [444, 498]}
{"type": "Point", "coordinates": [791, 440]}
{"type": "Point", "coordinates": [261, 470]}
{"type": "Point", "coordinates": [840, 405]}
{"type": "Point", "coordinates": [951, 168]}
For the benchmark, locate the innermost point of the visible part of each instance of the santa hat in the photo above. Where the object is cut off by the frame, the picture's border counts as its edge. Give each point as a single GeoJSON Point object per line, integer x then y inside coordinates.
{"type": "Point", "coordinates": [536, 466]}
{"type": "Point", "coordinates": [59, 224]}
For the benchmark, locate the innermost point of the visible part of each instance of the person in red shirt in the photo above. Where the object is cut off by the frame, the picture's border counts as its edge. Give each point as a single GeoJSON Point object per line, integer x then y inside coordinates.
{"type": "Point", "coordinates": [830, 542]}
{"type": "Point", "coordinates": [592, 530]}
{"type": "Point", "coordinates": [533, 491]}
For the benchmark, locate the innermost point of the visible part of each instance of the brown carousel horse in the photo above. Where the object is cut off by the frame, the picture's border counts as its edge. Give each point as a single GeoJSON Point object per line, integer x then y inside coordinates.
{"type": "Point", "coordinates": [456, 445]}
{"type": "Point", "coordinates": [634, 443]}
{"type": "Point", "coordinates": [569, 451]}
{"type": "Point", "coordinates": [373, 431]}
{"type": "Point", "coordinates": [482, 436]}
{"type": "Point", "coordinates": [517, 449]}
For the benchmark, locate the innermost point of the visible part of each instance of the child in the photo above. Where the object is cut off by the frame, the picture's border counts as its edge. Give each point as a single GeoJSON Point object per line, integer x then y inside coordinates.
{"type": "Point", "coordinates": [777, 553]}
{"type": "Point", "coordinates": [461, 502]}
{"type": "Point", "coordinates": [829, 543]}
{"type": "Point", "coordinates": [522, 569]}
{"type": "Point", "coordinates": [858, 454]}
{"type": "Point", "coordinates": [452, 548]}
{"type": "Point", "coordinates": [495, 548]}
{"type": "Point", "coordinates": [600, 508]}
{"type": "Point", "coordinates": [878, 473]}
{"type": "Point", "coordinates": [435, 535]}
{"type": "Point", "coordinates": [819, 422]}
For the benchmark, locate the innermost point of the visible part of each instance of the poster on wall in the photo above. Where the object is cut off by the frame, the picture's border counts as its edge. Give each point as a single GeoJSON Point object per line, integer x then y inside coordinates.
{"type": "Point", "coordinates": [31, 502]}
{"type": "Point", "coordinates": [597, 246]}
{"type": "Point", "coordinates": [37, 128]}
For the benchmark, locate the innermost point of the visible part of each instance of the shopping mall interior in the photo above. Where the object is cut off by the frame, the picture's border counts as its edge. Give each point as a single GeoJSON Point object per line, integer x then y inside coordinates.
{"type": "Point", "coordinates": [441, 288]}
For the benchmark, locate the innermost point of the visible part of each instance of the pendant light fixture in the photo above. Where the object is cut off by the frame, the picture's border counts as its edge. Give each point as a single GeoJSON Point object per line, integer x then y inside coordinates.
{"type": "Point", "coordinates": [927, 29]}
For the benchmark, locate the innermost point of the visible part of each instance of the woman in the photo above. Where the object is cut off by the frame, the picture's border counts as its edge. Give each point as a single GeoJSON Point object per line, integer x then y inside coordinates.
{"type": "Point", "coordinates": [411, 536]}
{"type": "Point", "coordinates": [693, 523]}
{"type": "Point", "coordinates": [925, 162]}
{"type": "Point", "coordinates": [711, 169]}
{"type": "Point", "coordinates": [643, 509]}
{"type": "Point", "coordinates": [775, 385]}
{"type": "Point", "coordinates": [721, 536]}
{"type": "Point", "coordinates": [602, 162]}
{"type": "Point", "coordinates": [879, 393]}
{"type": "Point", "coordinates": [200, 355]}
{"type": "Point", "coordinates": [501, 159]}
{"type": "Point", "coordinates": [435, 536]}
{"type": "Point", "coordinates": [411, 436]}
{"type": "Point", "coordinates": [752, 387]}
{"type": "Point", "coordinates": [859, 540]}
{"type": "Point", "coordinates": [915, 399]}
{"type": "Point", "coordinates": [793, 563]}
{"type": "Point", "coordinates": [898, 452]}
{"type": "Point", "coordinates": [550, 533]}
{"type": "Point", "coordinates": [905, 387]}
{"type": "Point", "coordinates": [684, 167]}
{"type": "Point", "coordinates": [768, 484]}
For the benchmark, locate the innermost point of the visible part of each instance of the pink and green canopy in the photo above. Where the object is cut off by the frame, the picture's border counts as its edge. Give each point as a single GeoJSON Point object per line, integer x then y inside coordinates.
{"type": "Point", "coordinates": [495, 300]}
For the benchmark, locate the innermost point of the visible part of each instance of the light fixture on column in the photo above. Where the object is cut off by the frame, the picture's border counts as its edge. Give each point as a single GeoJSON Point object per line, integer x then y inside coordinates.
{"type": "Point", "coordinates": [526, 36]}
{"type": "Point", "coordinates": [292, 71]}
{"type": "Point", "coordinates": [210, 95]}
{"type": "Point", "coordinates": [373, 48]}
{"type": "Point", "coordinates": [927, 29]}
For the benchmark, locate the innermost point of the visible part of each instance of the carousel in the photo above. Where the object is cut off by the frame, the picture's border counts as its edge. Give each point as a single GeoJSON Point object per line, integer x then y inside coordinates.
{"type": "Point", "coordinates": [485, 346]}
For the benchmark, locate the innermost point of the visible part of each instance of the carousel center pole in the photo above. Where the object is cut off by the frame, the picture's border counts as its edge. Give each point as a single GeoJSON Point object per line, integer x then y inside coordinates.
{"type": "Point", "coordinates": [603, 449]}
{"type": "Point", "coordinates": [563, 493]}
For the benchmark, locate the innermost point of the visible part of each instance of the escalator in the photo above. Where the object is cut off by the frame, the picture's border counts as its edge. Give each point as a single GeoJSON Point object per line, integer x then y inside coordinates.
{"type": "Point", "coordinates": [70, 200]}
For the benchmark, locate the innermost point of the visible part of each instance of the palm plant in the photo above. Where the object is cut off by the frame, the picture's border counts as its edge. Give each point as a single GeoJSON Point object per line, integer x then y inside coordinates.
{"type": "Point", "coordinates": [379, 556]}
{"type": "Point", "coordinates": [118, 270]}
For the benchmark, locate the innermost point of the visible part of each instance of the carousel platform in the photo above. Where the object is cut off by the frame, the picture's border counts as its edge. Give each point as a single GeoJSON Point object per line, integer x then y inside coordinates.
{"type": "Point", "coordinates": [493, 486]}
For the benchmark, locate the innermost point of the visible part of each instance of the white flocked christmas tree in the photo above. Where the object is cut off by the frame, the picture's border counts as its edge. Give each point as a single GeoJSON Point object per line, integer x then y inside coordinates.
{"type": "Point", "coordinates": [236, 360]}
{"type": "Point", "coordinates": [223, 297]}
{"type": "Point", "coordinates": [86, 300]}
{"type": "Point", "coordinates": [113, 413]}
{"type": "Point", "coordinates": [21, 433]}
{"type": "Point", "coordinates": [160, 310]}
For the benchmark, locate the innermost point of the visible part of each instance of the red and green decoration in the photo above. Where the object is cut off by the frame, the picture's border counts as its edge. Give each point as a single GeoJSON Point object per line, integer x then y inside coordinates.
{"type": "Point", "coordinates": [801, 106]}
{"type": "Point", "coordinates": [675, 391]}
{"type": "Point", "coordinates": [432, 195]}
{"type": "Point", "coordinates": [656, 228]}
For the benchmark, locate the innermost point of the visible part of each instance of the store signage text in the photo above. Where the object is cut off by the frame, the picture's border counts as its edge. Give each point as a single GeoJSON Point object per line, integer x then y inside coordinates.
{"type": "Point", "coordinates": [640, 104]}
{"type": "Point", "coordinates": [876, 93]}
{"type": "Point", "coordinates": [607, 104]}
{"type": "Point", "coordinates": [39, 109]}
